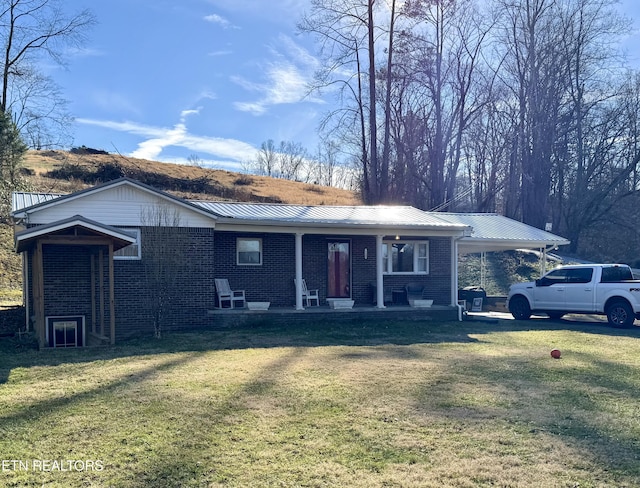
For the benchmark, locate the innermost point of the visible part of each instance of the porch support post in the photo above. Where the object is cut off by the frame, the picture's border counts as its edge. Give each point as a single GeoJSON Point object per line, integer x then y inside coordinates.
{"type": "Point", "coordinates": [454, 271]}
{"type": "Point", "coordinates": [38, 293]}
{"type": "Point", "coordinates": [26, 295]}
{"type": "Point", "coordinates": [379, 274]}
{"type": "Point", "coordinates": [101, 289]}
{"type": "Point", "coordinates": [112, 301]}
{"type": "Point", "coordinates": [299, 271]}
{"type": "Point", "coordinates": [94, 283]}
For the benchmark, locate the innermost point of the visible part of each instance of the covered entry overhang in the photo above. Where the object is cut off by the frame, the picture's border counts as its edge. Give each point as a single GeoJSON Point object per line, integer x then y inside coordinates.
{"type": "Point", "coordinates": [99, 243]}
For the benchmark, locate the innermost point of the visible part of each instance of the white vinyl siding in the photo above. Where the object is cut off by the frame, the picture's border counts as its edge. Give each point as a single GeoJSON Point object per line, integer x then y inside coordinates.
{"type": "Point", "coordinates": [123, 205]}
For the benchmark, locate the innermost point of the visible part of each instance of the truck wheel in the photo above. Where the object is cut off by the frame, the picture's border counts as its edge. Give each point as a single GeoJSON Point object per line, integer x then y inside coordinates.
{"type": "Point", "coordinates": [620, 314]}
{"type": "Point", "coordinates": [519, 308]}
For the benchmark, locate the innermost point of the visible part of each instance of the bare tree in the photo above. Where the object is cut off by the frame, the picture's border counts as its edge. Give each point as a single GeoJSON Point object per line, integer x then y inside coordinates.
{"type": "Point", "coordinates": [265, 162]}
{"type": "Point", "coordinates": [31, 31]}
{"type": "Point", "coordinates": [538, 78]}
{"type": "Point", "coordinates": [162, 260]}
{"type": "Point", "coordinates": [517, 106]}
{"type": "Point", "coordinates": [438, 89]}
{"type": "Point", "coordinates": [292, 161]}
{"type": "Point", "coordinates": [288, 161]}
{"type": "Point", "coordinates": [350, 38]}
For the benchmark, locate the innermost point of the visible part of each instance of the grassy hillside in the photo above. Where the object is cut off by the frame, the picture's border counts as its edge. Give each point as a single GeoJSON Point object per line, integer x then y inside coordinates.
{"type": "Point", "coordinates": [61, 171]}
{"type": "Point", "coordinates": [10, 267]}
{"type": "Point", "coordinates": [501, 270]}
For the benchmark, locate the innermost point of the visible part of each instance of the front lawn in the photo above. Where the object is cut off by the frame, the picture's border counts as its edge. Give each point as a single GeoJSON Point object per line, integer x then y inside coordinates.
{"type": "Point", "coordinates": [395, 404]}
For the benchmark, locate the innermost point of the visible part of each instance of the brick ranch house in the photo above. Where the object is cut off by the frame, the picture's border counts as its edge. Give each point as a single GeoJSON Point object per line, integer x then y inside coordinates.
{"type": "Point", "coordinates": [84, 256]}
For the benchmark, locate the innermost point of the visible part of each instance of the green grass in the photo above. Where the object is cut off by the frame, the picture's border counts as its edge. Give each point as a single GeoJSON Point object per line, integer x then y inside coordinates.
{"type": "Point", "coordinates": [372, 404]}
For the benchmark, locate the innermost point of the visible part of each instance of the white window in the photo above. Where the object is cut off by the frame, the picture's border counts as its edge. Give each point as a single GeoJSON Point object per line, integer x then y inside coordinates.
{"type": "Point", "coordinates": [249, 251]}
{"type": "Point", "coordinates": [132, 251]}
{"type": "Point", "coordinates": [405, 257]}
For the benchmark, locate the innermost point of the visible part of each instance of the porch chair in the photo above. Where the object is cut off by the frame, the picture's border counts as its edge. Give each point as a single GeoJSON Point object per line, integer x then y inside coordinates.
{"type": "Point", "coordinates": [226, 294]}
{"type": "Point", "coordinates": [414, 291]}
{"type": "Point", "coordinates": [308, 296]}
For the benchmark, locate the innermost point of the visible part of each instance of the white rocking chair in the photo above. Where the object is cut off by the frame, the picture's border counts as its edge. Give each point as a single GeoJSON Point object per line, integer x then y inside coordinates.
{"type": "Point", "coordinates": [308, 296]}
{"type": "Point", "coordinates": [226, 294]}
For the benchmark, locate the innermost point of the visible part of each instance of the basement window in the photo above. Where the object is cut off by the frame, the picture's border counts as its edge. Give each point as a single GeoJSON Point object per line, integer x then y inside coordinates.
{"type": "Point", "coordinates": [65, 331]}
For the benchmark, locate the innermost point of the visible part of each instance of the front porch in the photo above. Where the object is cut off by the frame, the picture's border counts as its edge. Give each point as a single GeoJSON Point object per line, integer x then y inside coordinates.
{"type": "Point", "coordinates": [225, 318]}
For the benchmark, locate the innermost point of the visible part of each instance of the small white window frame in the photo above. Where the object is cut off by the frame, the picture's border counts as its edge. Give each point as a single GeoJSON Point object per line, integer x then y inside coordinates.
{"type": "Point", "coordinates": [246, 239]}
{"type": "Point", "coordinates": [388, 262]}
{"type": "Point", "coordinates": [137, 244]}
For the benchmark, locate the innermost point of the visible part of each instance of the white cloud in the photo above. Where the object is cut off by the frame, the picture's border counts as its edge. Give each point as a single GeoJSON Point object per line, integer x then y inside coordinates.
{"type": "Point", "coordinates": [231, 152]}
{"type": "Point", "coordinates": [207, 95]}
{"type": "Point", "coordinates": [221, 21]}
{"type": "Point", "coordinates": [287, 78]}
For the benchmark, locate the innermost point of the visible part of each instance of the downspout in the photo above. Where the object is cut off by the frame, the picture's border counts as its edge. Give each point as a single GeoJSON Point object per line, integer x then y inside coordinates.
{"type": "Point", "coordinates": [25, 288]}
{"type": "Point", "coordinates": [454, 275]}
{"type": "Point", "coordinates": [379, 274]}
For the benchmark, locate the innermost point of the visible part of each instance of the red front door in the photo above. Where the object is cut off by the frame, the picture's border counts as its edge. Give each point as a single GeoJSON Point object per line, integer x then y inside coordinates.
{"type": "Point", "coordinates": [339, 268]}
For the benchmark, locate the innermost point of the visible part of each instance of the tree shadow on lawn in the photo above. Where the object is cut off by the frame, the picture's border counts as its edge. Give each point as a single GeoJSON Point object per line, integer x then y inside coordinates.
{"type": "Point", "coordinates": [32, 412]}
{"type": "Point", "coordinates": [308, 334]}
{"type": "Point", "coordinates": [169, 460]}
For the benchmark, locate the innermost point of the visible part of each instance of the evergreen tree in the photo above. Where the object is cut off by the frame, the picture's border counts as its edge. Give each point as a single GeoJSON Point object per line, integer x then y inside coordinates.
{"type": "Point", "coordinates": [12, 150]}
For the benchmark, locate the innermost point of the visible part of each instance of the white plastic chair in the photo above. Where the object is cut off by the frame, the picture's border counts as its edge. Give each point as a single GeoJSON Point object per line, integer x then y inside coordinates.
{"type": "Point", "coordinates": [308, 296]}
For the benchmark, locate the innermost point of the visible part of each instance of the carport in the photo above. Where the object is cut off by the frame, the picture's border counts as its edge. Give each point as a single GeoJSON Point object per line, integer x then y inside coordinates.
{"type": "Point", "coordinates": [492, 232]}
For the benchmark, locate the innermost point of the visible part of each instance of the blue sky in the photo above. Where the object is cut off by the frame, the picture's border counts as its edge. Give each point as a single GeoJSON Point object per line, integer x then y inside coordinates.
{"type": "Point", "coordinates": [167, 79]}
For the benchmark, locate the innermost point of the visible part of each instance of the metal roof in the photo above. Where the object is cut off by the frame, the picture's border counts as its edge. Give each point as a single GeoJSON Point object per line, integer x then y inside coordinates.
{"type": "Point", "coordinates": [488, 231]}
{"type": "Point", "coordinates": [121, 237]}
{"type": "Point", "coordinates": [20, 200]}
{"type": "Point", "coordinates": [493, 232]}
{"type": "Point", "coordinates": [389, 215]}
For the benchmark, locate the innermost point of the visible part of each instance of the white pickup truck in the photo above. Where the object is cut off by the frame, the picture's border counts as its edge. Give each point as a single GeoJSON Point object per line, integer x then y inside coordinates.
{"type": "Point", "coordinates": [591, 289]}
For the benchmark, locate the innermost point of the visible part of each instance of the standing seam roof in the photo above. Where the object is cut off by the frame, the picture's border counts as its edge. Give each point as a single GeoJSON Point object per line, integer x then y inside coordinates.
{"type": "Point", "coordinates": [379, 215]}
{"type": "Point", "coordinates": [497, 227]}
